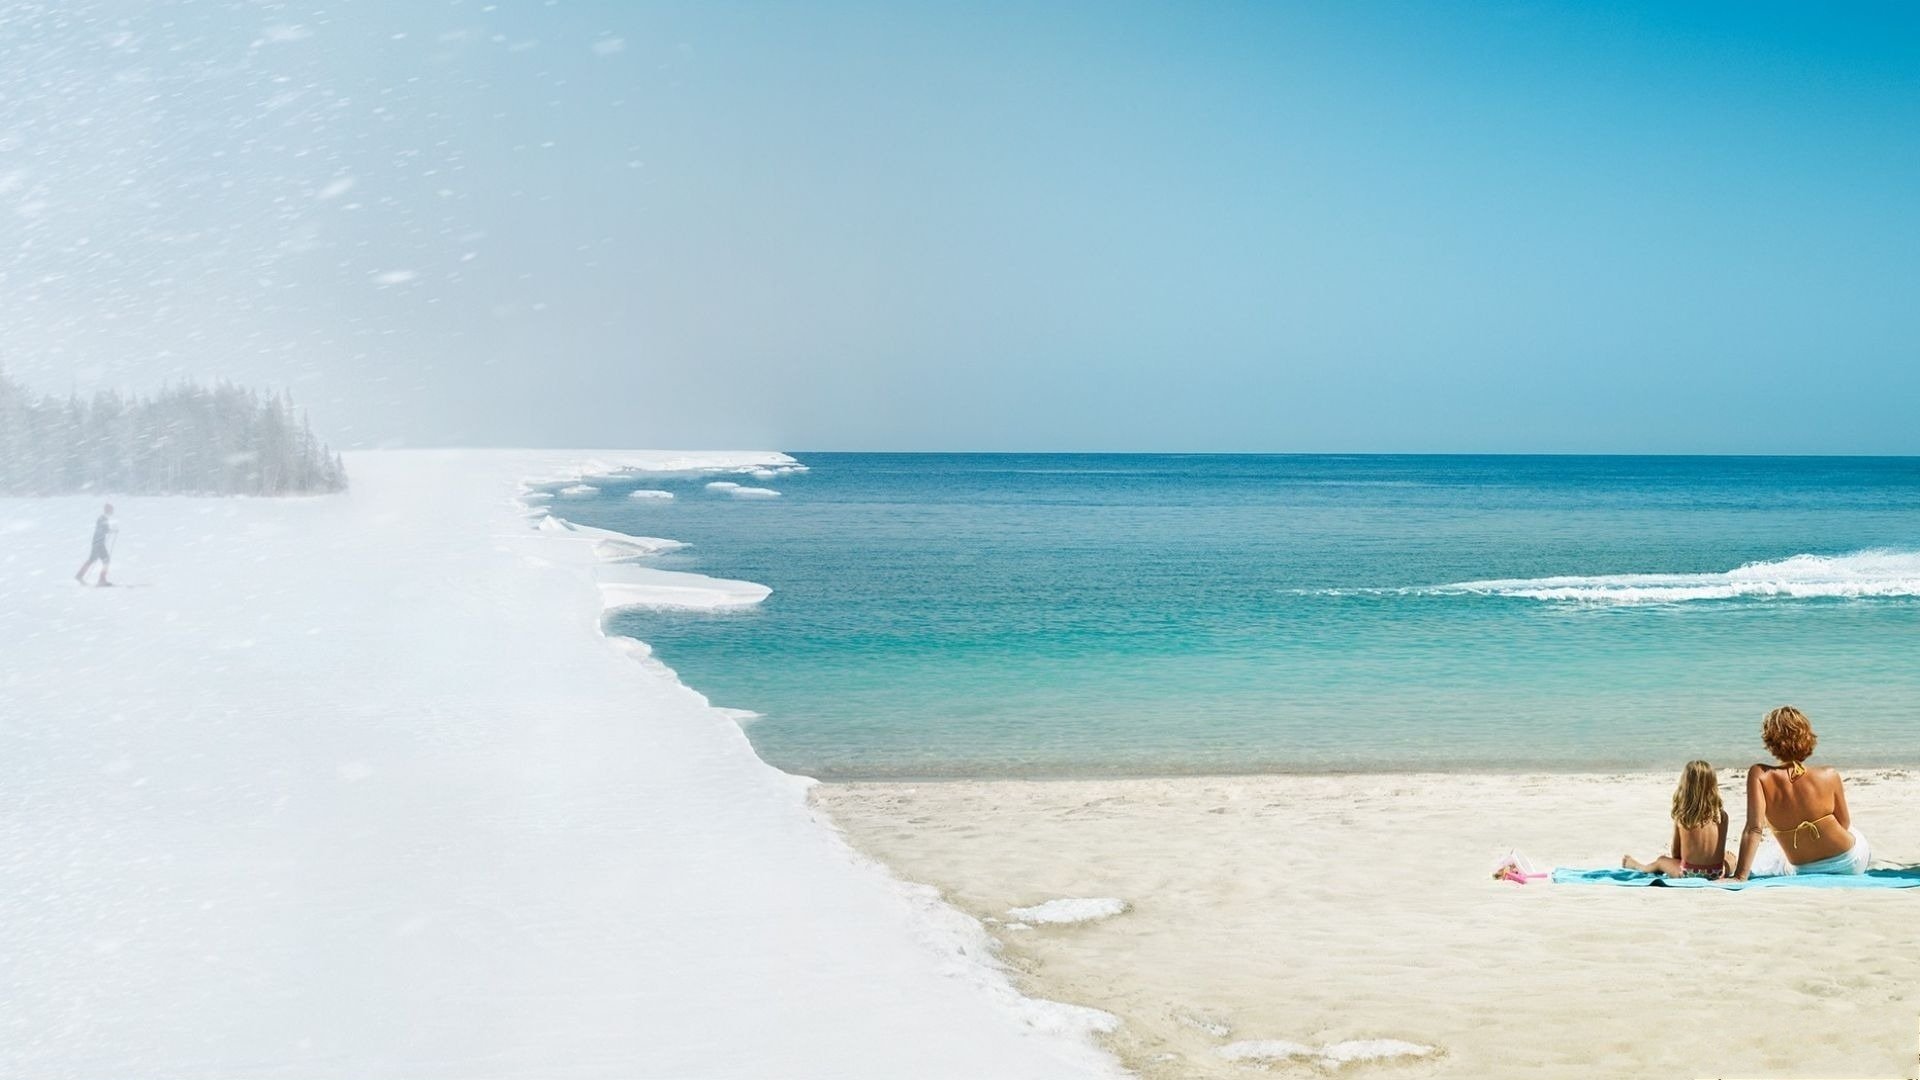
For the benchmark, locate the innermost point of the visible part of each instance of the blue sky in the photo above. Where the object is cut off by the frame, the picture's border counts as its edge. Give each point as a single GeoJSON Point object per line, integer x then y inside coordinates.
{"type": "Point", "coordinates": [1339, 226]}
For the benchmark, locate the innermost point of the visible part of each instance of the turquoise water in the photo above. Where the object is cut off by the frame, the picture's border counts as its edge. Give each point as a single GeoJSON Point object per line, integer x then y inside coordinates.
{"type": "Point", "coordinates": [993, 615]}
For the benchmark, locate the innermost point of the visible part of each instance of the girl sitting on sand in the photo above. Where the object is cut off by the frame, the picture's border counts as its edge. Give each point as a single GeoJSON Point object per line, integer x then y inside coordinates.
{"type": "Point", "coordinates": [1699, 829]}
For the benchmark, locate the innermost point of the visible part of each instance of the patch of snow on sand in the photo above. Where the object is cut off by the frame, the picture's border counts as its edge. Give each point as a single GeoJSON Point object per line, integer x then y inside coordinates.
{"type": "Point", "coordinates": [1344, 1053]}
{"type": "Point", "coordinates": [628, 585]}
{"type": "Point", "coordinates": [1265, 1050]}
{"type": "Point", "coordinates": [1331, 1055]}
{"type": "Point", "coordinates": [1070, 910]}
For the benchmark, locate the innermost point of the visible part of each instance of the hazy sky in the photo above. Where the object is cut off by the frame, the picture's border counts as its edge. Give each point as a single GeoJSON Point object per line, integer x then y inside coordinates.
{"type": "Point", "coordinates": [1197, 226]}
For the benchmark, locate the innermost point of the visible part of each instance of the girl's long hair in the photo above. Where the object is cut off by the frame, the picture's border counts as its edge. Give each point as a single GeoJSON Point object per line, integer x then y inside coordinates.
{"type": "Point", "coordinates": [1696, 801]}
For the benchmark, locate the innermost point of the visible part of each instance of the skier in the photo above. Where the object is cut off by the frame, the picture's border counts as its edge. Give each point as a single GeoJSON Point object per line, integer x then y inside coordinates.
{"type": "Point", "coordinates": [102, 529]}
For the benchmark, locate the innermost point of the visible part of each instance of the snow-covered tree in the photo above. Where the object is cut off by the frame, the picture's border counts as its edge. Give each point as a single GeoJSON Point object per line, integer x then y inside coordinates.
{"type": "Point", "coordinates": [217, 440]}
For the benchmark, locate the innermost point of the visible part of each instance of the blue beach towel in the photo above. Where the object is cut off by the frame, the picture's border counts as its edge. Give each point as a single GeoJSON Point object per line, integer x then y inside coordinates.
{"type": "Point", "coordinates": [1907, 877]}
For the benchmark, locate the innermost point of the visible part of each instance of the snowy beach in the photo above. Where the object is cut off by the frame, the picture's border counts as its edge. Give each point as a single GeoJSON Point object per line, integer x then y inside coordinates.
{"type": "Point", "coordinates": [1307, 924]}
{"type": "Point", "coordinates": [355, 785]}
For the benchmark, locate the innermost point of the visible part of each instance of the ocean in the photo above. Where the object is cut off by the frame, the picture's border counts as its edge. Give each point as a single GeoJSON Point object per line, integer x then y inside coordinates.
{"type": "Point", "coordinates": [997, 615]}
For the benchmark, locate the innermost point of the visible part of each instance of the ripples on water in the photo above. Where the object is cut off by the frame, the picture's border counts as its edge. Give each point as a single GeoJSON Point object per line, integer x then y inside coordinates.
{"type": "Point", "coordinates": [942, 615]}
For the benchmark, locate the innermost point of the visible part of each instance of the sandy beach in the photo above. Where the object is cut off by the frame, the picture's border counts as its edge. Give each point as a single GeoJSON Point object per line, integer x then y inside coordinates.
{"type": "Point", "coordinates": [1309, 924]}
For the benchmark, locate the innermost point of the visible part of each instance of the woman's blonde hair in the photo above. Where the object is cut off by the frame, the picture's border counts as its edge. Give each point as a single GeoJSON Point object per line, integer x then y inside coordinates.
{"type": "Point", "coordinates": [1788, 734]}
{"type": "Point", "coordinates": [1696, 801]}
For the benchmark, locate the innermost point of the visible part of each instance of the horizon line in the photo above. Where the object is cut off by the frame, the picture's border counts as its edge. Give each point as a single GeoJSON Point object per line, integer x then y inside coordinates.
{"type": "Point", "coordinates": [1758, 455]}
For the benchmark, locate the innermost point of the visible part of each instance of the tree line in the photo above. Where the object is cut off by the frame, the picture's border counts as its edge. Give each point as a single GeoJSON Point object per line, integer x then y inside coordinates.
{"type": "Point", "coordinates": [186, 439]}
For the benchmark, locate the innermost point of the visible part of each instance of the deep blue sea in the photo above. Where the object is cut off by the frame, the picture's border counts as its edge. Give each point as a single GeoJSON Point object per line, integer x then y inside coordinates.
{"type": "Point", "coordinates": [994, 615]}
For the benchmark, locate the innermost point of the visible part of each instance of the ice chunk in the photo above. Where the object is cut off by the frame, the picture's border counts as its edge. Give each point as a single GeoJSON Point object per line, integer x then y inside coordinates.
{"type": "Point", "coordinates": [630, 586]}
{"type": "Point", "coordinates": [635, 547]}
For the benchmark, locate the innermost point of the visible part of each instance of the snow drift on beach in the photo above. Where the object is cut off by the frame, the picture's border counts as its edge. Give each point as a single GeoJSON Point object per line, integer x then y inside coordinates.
{"type": "Point", "coordinates": [630, 586]}
{"type": "Point", "coordinates": [1861, 575]}
{"type": "Point", "coordinates": [607, 543]}
{"type": "Point", "coordinates": [357, 786]}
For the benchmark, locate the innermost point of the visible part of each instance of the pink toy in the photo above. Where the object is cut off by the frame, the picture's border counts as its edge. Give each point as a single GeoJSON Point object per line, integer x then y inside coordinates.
{"type": "Point", "coordinates": [1516, 868]}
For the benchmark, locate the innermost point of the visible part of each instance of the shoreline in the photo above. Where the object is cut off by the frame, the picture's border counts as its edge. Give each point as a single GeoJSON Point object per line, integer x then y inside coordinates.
{"type": "Point", "coordinates": [959, 946]}
{"type": "Point", "coordinates": [1278, 922]}
{"type": "Point", "coordinates": [356, 785]}
{"type": "Point", "coordinates": [1515, 772]}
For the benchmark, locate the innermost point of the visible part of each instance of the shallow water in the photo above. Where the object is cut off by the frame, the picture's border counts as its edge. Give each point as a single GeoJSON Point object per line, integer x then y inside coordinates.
{"type": "Point", "coordinates": [995, 615]}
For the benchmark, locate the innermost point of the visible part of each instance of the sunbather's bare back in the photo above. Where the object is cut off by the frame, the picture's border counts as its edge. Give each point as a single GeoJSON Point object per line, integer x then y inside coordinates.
{"type": "Point", "coordinates": [1702, 845]}
{"type": "Point", "coordinates": [1806, 809]}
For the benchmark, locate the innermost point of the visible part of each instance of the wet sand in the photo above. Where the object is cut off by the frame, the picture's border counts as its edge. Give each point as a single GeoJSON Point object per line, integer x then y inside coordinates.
{"type": "Point", "coordinates": [1334, 911]}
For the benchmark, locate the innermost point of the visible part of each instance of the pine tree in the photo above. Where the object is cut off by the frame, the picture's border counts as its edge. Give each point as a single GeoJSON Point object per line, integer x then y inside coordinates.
{"type": "Point", "coordinates": [216, 440]}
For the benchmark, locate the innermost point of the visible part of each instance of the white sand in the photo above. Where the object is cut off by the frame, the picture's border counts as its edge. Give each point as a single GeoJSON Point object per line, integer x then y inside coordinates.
{"type": "Point", "coordinates": [353, 786]}
{"type": "Point", "coordinates": [1312, 924]}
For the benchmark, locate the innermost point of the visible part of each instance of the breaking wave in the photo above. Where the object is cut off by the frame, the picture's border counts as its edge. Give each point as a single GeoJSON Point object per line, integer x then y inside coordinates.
{"type": "Point", "coordinates": [1860, 575]}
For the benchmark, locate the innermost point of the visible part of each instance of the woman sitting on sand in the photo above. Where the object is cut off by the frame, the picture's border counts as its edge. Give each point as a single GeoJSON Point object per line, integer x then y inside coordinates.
{"type": "Point", "coordinates": [1804, 808]}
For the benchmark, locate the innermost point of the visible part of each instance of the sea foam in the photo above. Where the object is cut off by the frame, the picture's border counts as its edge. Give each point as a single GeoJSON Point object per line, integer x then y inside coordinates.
{"type": "Point", "coordinates": [1862, 574]}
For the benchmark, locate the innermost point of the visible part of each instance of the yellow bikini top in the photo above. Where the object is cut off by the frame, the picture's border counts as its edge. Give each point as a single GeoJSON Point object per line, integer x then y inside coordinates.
{"type": "Point", "coordinates": [1795, 768]}
{"type": "Point", "coordinates": [1795, 831]}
